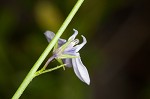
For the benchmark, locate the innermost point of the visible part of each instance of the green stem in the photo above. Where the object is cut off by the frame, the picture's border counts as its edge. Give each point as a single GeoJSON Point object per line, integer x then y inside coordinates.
{"type": "Point", "coordinates": [48, 70]}
{"type": "Point", "coordinates": [35, 67]}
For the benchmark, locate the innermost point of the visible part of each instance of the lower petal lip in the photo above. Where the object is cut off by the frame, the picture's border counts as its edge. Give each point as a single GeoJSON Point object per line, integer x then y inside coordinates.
{"type": "Point", "coordinates": [80, 70]}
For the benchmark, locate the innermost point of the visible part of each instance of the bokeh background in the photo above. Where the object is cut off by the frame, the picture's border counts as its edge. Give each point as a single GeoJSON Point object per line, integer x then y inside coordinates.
{"type": "Point", "coordinates": [117, 54]}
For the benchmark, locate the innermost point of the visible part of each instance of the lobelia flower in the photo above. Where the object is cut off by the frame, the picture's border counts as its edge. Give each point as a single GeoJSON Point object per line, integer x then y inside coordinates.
{"type": "Point", "coordinates": [68, 52]}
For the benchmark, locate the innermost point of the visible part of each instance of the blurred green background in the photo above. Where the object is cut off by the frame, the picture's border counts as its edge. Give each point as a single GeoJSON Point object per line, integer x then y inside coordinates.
{"type": "Point", "coordinates": [116, 55]}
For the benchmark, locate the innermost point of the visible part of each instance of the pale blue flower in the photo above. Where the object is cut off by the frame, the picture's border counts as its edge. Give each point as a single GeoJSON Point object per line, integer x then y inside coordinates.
{"type": "Point", "coordinates": [68, 51]}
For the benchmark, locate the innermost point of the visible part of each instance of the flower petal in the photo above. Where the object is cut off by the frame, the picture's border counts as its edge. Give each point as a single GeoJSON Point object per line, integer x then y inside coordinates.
{"type": "Point", "coordinates": [68, 62]}
{"type": "Point", "coordinates": [78, 47]}
{"type": "Point", "coordinates": [50, 35]}
{"type": "Point", "coordinates": [74, 35]}
{"type": "Point", "coordinates": [80, 70]}
{"type": "Point", "coordinates": [61, 42]}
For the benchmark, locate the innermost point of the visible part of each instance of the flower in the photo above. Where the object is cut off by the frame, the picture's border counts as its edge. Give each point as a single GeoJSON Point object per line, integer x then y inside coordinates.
{"type": "Point", "coordinates": [68, 51]}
